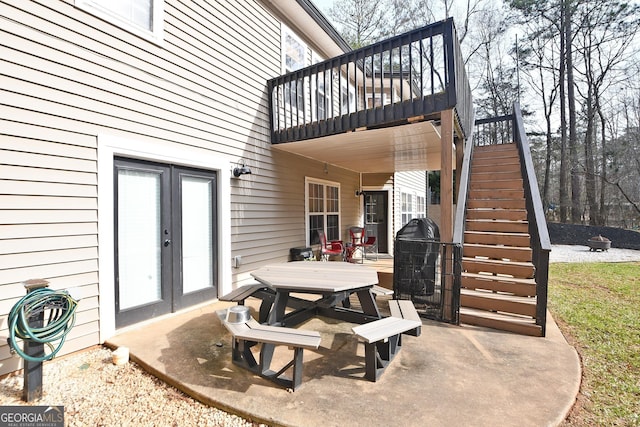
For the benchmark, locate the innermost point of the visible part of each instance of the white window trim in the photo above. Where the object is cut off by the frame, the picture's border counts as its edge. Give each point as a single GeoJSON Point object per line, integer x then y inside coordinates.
{"type": "Point", "coordinates": [156, 35]}
{"type": "Point", "coordinates": [284, 30]}
{"type": "Point", "coordinates": [420, 211]}
{"type": "Point", "coordinates": [110, 146]}
{"type": "Point", "coordinates": [411, 195]}
{"type": "Point", "coordinates": [350, 91]}
{"type": "Point", "coordinates": [315, 90]}
{"type": "Point", "coordinates": [307, 181]}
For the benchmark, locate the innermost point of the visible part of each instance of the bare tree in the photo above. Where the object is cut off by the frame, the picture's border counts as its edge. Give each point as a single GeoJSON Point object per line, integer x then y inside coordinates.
{"type": "Point", "coordinates": [539, 62]}
{"type": "Point", "coordinates": [544, 23]}
{"type": "Point", "coordinates": [605, 32]}
{"type": "Point", "coordinates": [362, 21]}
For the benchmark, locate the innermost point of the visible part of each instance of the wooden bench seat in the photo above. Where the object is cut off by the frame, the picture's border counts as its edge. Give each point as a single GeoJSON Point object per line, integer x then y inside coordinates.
{"type": "Point", "coordinates": [247, 334]}
{"type": "Point", "coordinates": [404, 309]}
{"type": "Point", "coordinates": [241, 293]}
{"type": "Point", "coordinates": [375, 290]}
{"type": "Point", "coordinates": [256, 290]}
{"type": "Point", "coordinates": [379, 290]}
{"type": "Point", "coordinates": [383, 339]}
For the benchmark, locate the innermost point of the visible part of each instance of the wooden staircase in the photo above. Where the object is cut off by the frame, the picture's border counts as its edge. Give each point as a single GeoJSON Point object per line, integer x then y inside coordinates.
{"type": "Point", "coordinates": [498, 289]}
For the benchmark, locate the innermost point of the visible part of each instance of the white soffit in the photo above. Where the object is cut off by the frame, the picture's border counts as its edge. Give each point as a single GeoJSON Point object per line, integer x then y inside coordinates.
{"type": "Point", "coordinates": [408, 147]}
{"type": "Point", "coordinates": [301, 21]}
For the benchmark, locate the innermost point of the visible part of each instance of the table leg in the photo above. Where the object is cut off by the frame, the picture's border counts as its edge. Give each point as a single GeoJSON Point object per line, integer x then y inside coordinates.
{"type": "Point", "coordinates": [279, 306]}
{"type": "Point", "coordinates": [275, 318]}
{"type": "Point", "coordinates": [368, 303]}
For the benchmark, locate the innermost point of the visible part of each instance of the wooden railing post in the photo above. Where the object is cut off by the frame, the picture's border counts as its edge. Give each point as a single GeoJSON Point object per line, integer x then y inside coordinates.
{"type": "Point", "coordinates": [446, 203]}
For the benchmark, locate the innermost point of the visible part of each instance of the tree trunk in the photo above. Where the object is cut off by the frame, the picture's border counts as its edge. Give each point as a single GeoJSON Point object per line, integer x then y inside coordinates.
{"type": "Point", "coordinates": [571, 98]}
{"type": "Point", "coordinates": [590, 173]}
{"type": "Point", "coordinates": [603, 167]}
{"type": "Point", "coordinates": [564, 161]}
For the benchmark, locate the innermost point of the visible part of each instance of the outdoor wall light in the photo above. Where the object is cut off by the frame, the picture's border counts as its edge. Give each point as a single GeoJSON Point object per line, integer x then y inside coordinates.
{"type": "Point", "coordinates": [241, 170]}
{"type": "Point", "coordinates": [359, 193]}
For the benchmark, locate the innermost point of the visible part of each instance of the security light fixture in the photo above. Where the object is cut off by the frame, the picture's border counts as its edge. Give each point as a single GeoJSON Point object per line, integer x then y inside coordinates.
{"type": "Point", "coordinates": [241, 170]}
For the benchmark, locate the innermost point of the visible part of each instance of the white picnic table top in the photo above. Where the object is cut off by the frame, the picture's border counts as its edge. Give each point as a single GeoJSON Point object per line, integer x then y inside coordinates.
{"type": "Point", "coordinates": [320, 277]}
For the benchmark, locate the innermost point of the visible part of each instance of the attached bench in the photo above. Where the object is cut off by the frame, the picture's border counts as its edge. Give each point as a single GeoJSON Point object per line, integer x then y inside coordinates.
{"type": "Point", "coordinates": [404, 309]}
{"type": "Point", "coordinates": [375, 290]}
{"type": "Point", "coordinates": [246, 334]}
{"type": "Point", "coordinates": [379, 290]}
{"type": "Point", "coordinates": [256, 290]}
{"type": "Point", "coordinates": [383, 340]}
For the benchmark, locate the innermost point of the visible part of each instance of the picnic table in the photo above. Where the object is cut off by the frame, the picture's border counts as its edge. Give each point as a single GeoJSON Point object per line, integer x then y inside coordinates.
{"type": "Point", "coordinates": [280, 286]}
{"type": "Point", "coordinates": [334, 282]}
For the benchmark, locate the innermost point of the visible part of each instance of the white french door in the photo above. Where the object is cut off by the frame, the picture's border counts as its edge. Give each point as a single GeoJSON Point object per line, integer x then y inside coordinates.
{"type": "Point", "coordinates": [165, 236]}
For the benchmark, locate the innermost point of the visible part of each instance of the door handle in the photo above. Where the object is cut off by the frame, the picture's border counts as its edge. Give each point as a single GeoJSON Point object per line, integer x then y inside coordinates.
{"type": "Point", "coordinates": [167, 243]}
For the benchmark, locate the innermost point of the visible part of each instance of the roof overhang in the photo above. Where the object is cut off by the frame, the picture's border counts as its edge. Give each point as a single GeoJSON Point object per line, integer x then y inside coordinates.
{"type": "Point", "coordinates": [408, 147]}
{"type": "Point", "coordinates": [307, 21]}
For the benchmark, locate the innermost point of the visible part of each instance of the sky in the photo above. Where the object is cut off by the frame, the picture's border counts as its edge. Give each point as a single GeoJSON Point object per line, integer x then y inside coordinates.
{"type": "Point", "coordinates": [323, 5]}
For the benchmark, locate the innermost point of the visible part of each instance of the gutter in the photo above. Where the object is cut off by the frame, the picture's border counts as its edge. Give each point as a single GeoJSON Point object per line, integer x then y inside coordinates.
{"type": "Point", "coordinates": [324, 23]}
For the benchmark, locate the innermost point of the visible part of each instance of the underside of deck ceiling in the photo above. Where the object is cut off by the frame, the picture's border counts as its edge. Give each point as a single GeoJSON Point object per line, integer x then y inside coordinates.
{"type": "Point", "coordinates": [408, 147]}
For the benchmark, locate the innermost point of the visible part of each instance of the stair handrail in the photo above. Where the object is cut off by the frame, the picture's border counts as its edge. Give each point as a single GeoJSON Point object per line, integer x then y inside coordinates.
{"type": "Point", "coordinates": [459, 223]}
{"type": "Point", "coordinates": [538, 231]}
{"type": "Point", "coordinates": [463, 187]}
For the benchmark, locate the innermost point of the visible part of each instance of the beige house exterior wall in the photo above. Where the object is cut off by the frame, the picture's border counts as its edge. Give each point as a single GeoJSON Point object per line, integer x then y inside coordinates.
{"type": "Point", "coordinates": [77, 90]}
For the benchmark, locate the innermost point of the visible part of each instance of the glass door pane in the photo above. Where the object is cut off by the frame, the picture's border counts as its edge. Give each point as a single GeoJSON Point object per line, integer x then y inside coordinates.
{"type": "Point", "coordinates": [139, 235]}
{"type": "Point", "coordinates": [197, 233]}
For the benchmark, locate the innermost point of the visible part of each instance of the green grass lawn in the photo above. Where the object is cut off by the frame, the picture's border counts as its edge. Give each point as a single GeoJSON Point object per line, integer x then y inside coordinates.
{"type": "Point", "coordinates": [597, 306]}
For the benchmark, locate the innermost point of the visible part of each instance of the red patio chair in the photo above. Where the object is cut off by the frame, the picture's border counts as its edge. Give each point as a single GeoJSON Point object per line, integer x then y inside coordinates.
{"type": "Point", "coordinates": [327, 249]}
{"type": "Point", "coordinates": [365, 244]}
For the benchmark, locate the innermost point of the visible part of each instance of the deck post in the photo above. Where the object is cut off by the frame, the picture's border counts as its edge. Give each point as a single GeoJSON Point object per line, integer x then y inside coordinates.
{"type": "Point", "coordinates": [446, 204]}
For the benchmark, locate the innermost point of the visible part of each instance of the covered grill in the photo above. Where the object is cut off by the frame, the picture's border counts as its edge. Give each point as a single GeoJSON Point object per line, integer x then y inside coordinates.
{"type": "Point", "coordinates": [416, 266]}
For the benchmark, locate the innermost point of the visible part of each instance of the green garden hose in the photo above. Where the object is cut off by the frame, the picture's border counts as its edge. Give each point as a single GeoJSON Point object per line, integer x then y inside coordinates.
{"type": "Point", "coordinates": [61, 308]}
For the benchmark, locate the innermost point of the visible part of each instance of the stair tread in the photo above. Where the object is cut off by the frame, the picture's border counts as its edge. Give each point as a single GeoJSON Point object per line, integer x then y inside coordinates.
{"type": "Point", "coordinates": [509, 194]}
{"type": "Point", "coordinates": [494, 315]}
{"type": "Point", "coordinates": [490, 221]}
{"type": "Point", "coordinates": [499, 296]}
{"type": "Point", "coordinates": [499, 246]}
{"type": "Point", "coordinates": [497, 233]}
{"type": "Point", "coordinates": [481, 221]}
{"type": "Point", "coordinates": [497, 226]}
{"type": "Point", "coordinates": [497, 287]}
{"type": "Point", "coordinates": [503, 278]}
{"type": "Point", "coordinates": [497, 252]}
{"type": "Point", "coordinates": [497, 261]}
{"type": "Point", "coordinates": [507, 285]}
{"type": "Point", "coordinates": [483, 209]}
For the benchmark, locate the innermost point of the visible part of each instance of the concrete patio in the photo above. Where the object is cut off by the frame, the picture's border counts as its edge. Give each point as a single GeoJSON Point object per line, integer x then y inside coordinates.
{"type": "Point", "coordinates": [449, 376]}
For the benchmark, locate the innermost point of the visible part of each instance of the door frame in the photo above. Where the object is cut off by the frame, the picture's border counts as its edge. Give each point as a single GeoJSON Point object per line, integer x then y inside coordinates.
{"type": "Point", "coordinates": [389, 215]}
{"type": "Point", "coordinates": [172, 296]}
{"type": "Point", "coordinates": [109, 147]}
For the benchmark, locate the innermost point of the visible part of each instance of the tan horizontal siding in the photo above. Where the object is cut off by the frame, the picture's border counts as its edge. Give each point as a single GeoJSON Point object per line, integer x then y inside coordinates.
{"type": "Point", "coordinates": [47, 135]}
{"type": "Point", "coordinates": [46, 202]}
{"type": "Point", "coordinates": [46, 216]}
{"type": "Point", "coordinates": [21, 173]}
{"type": "Point", "coordinates": [47, 257]}
{"type": "Point", "coordinates": [67, 76]}
{"type": "Point", "coordinates": [84, 316]}
{"type": "Point", "coordinates": [36, 230]}
{"type": "Point", "coordinates": [20, 274]}
{"type": "Point", "coordinates": [39, 244]}
{"type": "Point", "coordinates": [162, 79]}
{"type": "Point", "coordinates": [48, 148]}
{"type": "Point", "coordinates": [48, 188]}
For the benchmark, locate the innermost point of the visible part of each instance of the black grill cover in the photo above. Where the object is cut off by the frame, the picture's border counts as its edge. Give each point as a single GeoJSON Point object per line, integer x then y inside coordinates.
{"type": "Point", "coordinates": [419, 228]}
{"type": "Point", "coordinates": [416, 251]}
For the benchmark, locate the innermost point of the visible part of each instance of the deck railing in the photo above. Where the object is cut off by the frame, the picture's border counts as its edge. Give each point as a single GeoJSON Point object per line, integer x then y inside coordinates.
{"type": "Point", "coordinates": [507, 129]}
{"type": "Point", "coordinates": [411, 75]}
